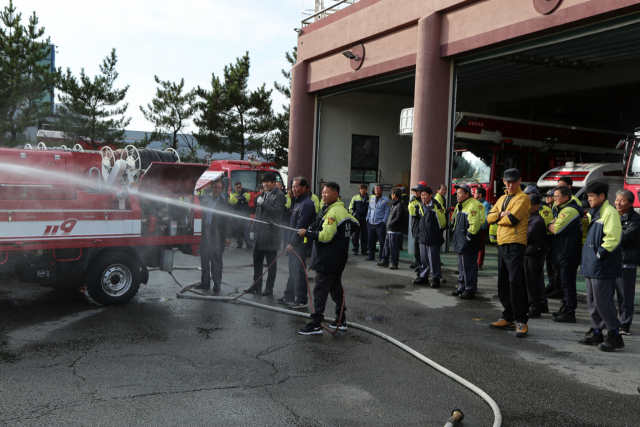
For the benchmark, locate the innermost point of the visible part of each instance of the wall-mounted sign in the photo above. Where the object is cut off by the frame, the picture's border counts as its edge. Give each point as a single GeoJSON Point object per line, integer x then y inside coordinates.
{"type": "Point", "coordinates": [545, 7]}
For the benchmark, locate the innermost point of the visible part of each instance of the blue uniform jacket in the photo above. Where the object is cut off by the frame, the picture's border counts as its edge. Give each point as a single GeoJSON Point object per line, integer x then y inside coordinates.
{"type": "Point", "coordinates": [602, 252]}
{"type": "Point", "coordinates": [378, 210]}
{"type": "Point", "coordinates": [303, 214]}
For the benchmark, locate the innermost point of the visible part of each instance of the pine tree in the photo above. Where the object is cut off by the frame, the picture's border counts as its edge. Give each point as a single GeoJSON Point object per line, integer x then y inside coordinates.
{"type": "Point", "coordinates": [233, 118]}
{"type": "Point", "coordinates": [277, 148]}
{"type": "Point", "coordinates": [91, 108]}
{"type": "Point", "coordinates": [170, 112]}
{"type": "Point", "coordinates": [24, 79]}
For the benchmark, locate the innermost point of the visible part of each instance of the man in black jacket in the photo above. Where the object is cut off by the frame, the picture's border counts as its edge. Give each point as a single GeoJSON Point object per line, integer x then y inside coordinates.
{"type": "Point", "coordinates": [216, 230]}
{"type": "Point", "coordinates": [626, 285]}
{"type": "Point", "coordinates": [395, 224]}
{"type": "Point", "coordinates": [534, 256]}
{"type": "Point", "coordinates": [303, 214]}
{"type": "Point", "coordinates": [329, 258]}
{"type": "Point", "coordinates": [267, 239]}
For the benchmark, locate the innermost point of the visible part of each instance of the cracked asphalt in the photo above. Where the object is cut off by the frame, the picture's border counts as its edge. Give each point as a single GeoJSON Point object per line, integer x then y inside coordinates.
{"type": "Point", "coordinates": [65, 361]}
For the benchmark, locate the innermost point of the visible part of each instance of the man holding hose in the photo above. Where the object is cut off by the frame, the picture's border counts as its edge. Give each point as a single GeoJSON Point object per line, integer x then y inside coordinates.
{"type": "Point", "coordinates": [330, 235]}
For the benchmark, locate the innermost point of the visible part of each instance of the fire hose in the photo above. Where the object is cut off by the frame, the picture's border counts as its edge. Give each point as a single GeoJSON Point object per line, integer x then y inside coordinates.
{"type": "Point", "coordinates": [456, 415]}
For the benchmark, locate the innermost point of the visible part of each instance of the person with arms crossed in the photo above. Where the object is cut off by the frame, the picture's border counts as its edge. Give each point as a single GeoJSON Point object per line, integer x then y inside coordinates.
{"type": "Point", "coordinates": [377, 216]}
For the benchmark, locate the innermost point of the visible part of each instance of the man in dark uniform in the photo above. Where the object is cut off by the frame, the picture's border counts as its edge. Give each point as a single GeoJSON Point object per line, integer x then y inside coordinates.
{"type": "Point", "coordinates": [216, 230]}
{"type": "Point", "coordinates": [330, 253]}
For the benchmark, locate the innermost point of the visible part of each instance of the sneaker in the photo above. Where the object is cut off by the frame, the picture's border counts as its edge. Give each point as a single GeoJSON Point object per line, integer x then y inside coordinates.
{"type": "Point", "coordinates": [521, 330]}
{"type": "Point", "coordinates": [382, 264]}
{"type": "Point", "coordinates": [341, 327]}
{"type": "Point", "coordinates": [625, 330]}
{"type": "Point", "coordinates": [310, 329]}
{"type": "Point", "coordinates": [393, 267]}
{"type": "Point", "coordinates": [468, 294]}
{"type": "Point", "coordinates": [611, 342]}
{"type": "Point", "coordinates": [457, 293]}
{"type": "Point", "coordinates": [283, 300]}
{"type": "Point", "coordinates": [565, 318]}
{"type": "Point", "coordinates": [299, 305]}
{"type": "Point", "coordinates": [506, 325]}
{"type": "Point", "coordinates": [591, 338]}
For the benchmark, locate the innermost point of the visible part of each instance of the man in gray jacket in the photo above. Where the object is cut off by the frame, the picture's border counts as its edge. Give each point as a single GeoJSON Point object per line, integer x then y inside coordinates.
{"type": "Point", "coordinates": [267, 238]}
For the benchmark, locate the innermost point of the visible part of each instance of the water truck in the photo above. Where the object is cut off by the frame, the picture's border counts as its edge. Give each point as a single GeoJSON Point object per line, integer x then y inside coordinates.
{"type": "Point", "coordinates": [73, 219]}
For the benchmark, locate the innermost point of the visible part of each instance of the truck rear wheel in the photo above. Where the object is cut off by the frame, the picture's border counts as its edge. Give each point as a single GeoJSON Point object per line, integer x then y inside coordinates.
{"type": "Point", "coordinates": [114, 278]}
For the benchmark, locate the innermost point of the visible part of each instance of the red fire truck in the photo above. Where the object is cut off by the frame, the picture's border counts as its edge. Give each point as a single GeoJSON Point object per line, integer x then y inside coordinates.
{"type": "Point", "coordinates": [249, 173]}
{"type": "Point", "coordinates": [485, 146]}
{"type": "Point", "coordinates": [72, 219]}
{"type": "Point", "coordinates": [631, 165]}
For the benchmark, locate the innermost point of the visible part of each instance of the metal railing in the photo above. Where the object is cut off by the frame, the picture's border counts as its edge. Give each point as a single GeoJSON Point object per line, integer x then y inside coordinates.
{"type": "Point", "coordinates": [322, 9]}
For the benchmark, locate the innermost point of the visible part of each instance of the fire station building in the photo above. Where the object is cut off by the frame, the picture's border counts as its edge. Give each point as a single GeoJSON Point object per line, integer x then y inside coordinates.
{"type": "Point", "coordinates": [574, 64]}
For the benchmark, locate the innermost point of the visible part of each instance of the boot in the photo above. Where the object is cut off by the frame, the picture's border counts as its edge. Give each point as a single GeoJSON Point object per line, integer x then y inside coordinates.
{"type": "Point", "coordinates": [611, 342]}
{"type": "Point", "coordinates": [435, 283]}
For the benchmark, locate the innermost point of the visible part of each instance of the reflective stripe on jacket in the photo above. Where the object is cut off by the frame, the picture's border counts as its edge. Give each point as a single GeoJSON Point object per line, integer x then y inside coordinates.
{"type": "Point", "coordinates": [240, 201]}
{"type": "Point", "coordinates": [511, 228]}
{"type": "Point", "coordinates": [414, 212]}
{"type": "Point", "coordinates": [602, 252]}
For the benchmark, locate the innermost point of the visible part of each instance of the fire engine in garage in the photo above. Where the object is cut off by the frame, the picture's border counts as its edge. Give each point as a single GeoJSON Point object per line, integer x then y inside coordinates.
{"type": "Point", "coordinates": [485, 146]}
{"type": "Point", "coordinates": [631, 165]}
{"type": "Point", "coordinates": [71, 218]}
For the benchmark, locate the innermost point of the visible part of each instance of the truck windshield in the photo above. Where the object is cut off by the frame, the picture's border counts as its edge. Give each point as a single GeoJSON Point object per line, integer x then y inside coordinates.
{"type": "Point", "coordinates": [472, 166]}
{"type": "Point", "coordinates": [250, 179]}
{"type": "Point", "coordinates": [634, 163]}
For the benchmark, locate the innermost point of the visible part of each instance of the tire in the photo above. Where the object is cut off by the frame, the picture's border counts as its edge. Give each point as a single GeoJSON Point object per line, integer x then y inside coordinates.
{"type": "Point", "coordinates": [113, 278]}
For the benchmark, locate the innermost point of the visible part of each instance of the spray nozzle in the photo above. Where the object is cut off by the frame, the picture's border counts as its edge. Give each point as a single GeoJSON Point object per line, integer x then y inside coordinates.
{"type": "Point", "coordinates": [270, 224]}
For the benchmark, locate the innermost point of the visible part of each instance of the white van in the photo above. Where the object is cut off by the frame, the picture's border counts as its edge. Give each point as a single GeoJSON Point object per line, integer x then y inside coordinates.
{"type": "Point", "coordinates": [582, 175]}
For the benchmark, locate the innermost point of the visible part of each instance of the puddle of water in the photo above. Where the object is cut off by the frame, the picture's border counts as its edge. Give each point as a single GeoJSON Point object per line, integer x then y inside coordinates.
{"type": "Point", "coordinates": [377, 319]}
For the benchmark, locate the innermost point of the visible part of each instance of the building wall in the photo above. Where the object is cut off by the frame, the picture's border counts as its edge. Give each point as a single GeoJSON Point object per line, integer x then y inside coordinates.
{"type": "Point", "coordinates": [362, 114]}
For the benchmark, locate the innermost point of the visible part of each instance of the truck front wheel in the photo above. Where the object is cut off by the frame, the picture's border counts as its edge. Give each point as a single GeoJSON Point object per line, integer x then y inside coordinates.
{"type": "Point", "coordinates": [114, 278]}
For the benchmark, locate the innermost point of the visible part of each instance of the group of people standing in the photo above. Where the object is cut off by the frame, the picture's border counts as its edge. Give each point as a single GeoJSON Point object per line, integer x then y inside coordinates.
{"type": "Point", "coordinates": [326, 231]}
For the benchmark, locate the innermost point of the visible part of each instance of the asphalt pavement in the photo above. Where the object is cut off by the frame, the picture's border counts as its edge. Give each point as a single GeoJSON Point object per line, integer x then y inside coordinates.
{"type": "Point", "coordinates": [163, 361]}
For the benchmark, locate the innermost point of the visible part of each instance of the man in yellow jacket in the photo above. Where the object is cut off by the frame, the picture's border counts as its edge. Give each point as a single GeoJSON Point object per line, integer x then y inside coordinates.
{"type": "Point", "coordinates": [511, 213]}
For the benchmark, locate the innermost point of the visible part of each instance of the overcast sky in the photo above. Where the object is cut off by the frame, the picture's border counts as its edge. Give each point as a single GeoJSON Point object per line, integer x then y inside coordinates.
{"type": "Point", "coordinates": [187, 39]}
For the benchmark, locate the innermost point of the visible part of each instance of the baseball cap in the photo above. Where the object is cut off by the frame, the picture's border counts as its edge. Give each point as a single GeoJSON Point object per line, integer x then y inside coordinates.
{"type": "Point", "coordinates": [512, 174]}
{"type": "Point", "coordinates": [531, 189]}
{"type": "Point", "coordinates": [465, 187]}
{"type": "Point", "coordinates": [424, 184]}
{"type": "Point", "coordinates": [418, 187]}
{"type": "Point", "coordinates": [549, 194]}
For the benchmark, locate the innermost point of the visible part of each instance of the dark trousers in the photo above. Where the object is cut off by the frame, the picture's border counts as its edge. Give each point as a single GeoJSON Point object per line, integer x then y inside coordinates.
{"type": "Point", "coordinates": [211, 262]}
{"type": "Point", "coordinates": [241, 228]}
{"type": "Point", "coordinates": [361, 235]}
{"type": "Point", "coordinates": [543, 290]}
{"type": "Point", "coordinates": [533, 267]}
{"type": "Point", "coordinates": [392, 245]}
{"type": "Point", "coordinates": [430, 260]}
{"type": "Point", "coordinates": [626, 291]}
{"type": "Point", "coordinates": [602, 308]}
{"type": "Point", "coordinates": [377, 233]}
{"type": "Point", "coordinates": [565, 277]}
{"type": "Point", "coordinates": [417, 262]}
{"type": "Point", "coordinates": [481, 235]}
{"type": "Point", "coordinates": [297, 284]}
{"type": "Point", "coordinates": [468, 271]}
{"type": "Point", "coordinates": [511, 282]}
{"type": "Point", "coordinates": [258, 257]}
{"type": "Point", "coordinates": [327, 283]}
{"type": "Point", "coordinates": [551, 271]}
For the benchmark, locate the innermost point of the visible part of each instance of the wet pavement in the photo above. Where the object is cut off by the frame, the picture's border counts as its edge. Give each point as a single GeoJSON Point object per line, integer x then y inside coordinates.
{"type": "Point", "coordinates": [159, 360]}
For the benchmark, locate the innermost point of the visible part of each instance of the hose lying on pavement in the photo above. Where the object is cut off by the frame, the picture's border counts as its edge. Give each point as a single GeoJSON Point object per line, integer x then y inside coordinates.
{"type": "Point", "coordinates": [494, 406]}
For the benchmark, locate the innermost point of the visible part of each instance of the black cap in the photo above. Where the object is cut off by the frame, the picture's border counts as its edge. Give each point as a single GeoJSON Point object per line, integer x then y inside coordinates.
{"type": "Point", "coordinates": [512, 174]}
{"type": "Point", "coordinates": [465, 187]}
{"type": "Point", "coordinates": [531, 190]}
{"type": "Point", "coordinates": [418, 187]}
